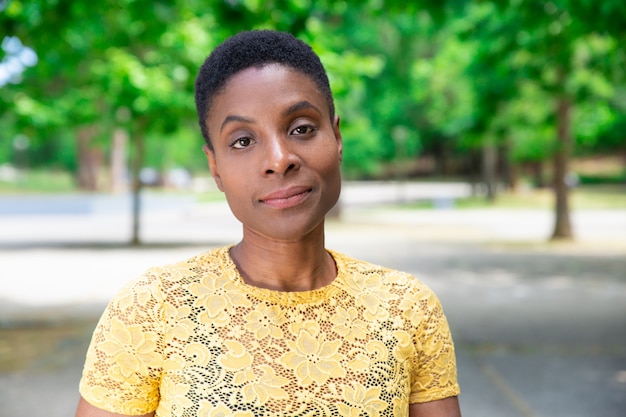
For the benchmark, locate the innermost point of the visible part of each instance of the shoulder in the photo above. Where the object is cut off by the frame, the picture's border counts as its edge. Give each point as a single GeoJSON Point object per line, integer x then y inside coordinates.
{"type": "Point", "coordinates": [390, 295]}
{"type": "Point", "coordinates": [172, 280]}
{"type": "Point", "coordinates": [370, 275]}
{"type": "Point", "coordinates": [213, 260]}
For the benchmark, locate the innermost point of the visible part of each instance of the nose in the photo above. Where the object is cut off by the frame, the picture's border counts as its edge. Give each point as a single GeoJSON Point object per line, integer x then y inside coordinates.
{"type": "Point", "coordinates": [279, 157]}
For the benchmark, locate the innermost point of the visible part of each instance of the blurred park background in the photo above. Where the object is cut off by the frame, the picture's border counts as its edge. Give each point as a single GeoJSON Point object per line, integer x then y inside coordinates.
{"type": "Point", "coordinates": [511, 96]}
{"type": "Point", "coordinates": [484, 151]}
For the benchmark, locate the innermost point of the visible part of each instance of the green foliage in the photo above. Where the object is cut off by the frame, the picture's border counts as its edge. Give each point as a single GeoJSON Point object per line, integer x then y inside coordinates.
{"type": "Point", "coordinates": [409, 78]}
{"type": "Point", "coordinates": [179, 149]}
{"type": "Point", "coordinates": [603, 180]}
{"type": "Point", "coordinates": [445, 91]}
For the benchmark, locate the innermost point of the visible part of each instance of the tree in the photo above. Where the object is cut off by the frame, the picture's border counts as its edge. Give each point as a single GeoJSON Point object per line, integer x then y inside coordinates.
{"type": "Point", "coordinates": [559, 32]}
{"type": "Point", "coordinates": [448, 78]}
{"type": "Point", "coordinates": [539, 42]}
{"type": "Point", "coordinates": [111, 66]}
{"type": "Point", "coordinates": [107, 65]}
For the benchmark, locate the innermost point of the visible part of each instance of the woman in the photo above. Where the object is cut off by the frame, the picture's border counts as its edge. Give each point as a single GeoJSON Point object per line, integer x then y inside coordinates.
{"type": "Point", "coordinates": [276, 325]}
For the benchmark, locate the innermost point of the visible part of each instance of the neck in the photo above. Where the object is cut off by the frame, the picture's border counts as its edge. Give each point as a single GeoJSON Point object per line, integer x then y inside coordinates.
{"type": "Point", "coordinates": [299, 265]}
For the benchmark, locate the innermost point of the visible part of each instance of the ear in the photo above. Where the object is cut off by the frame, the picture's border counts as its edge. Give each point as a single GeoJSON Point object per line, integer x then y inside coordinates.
{"type": "Point", "coordinates": [210, 157]}
{"type": "Point", "coordinates": [337, 132]}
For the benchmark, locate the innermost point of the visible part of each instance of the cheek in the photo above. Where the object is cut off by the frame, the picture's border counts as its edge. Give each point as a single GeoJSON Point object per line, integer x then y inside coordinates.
{"type": "Point", "coordinates": [236, 197]}
{"type": "Point", "coordinates": [230, 181]}
{"type": "Point", "coordinates": [329, 163]}
{"type": "Point", "coordinates": [233, 186]}
{"type": "Point", "coordinates": [329, 168]}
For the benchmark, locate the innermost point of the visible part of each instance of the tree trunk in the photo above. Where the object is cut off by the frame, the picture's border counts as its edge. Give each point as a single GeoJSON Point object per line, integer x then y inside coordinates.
{"type": "Point", "coordinates": [489, 169]}
{"type": "Point", "coordinates": [473, 170]}
{"type": "Point", "coordinates": [88, 159]}
{"type": "Point", "coordinates": [507, 167]}
{"type": "Point", "coordinates": [562, 225]}
{"type": "Point", "coordinates": [441, 154]}
{"type": "Point", "coordinates": [138, 156]}
{"type": "Point", "coordinates": [624, 161]}
{"type": "Point", "coordinates": [119, 171]}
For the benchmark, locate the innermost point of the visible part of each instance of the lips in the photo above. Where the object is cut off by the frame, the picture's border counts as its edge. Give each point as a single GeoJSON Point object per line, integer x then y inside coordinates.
{"type": "Point", "coordinates": [287, 197]}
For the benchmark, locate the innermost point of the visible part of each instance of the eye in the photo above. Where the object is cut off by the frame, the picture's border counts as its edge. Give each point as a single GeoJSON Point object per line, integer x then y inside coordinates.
{"type": "Point", "coordinates": [241, 143]}
{"type": "Point", "coordinates": [303, 130]}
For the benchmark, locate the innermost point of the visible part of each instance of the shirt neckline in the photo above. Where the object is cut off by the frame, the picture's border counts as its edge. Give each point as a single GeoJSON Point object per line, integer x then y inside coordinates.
{"type": "Point", "coordinates": [285, 297]}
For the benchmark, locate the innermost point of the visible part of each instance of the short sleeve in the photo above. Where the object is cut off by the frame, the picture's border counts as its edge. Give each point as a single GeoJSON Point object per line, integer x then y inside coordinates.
{"type": "Point", "coordinates": [124, 360]}
{"type": "Point", "coordinates": [434, 376]}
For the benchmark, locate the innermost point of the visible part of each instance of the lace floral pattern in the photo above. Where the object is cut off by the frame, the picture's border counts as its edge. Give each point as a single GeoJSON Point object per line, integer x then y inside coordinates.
{"type": "Point", "coordinates": [193, 339]}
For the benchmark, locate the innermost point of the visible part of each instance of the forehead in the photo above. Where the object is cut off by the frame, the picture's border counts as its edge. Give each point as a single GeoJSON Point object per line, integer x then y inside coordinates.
{"type": "Point", "coordinates": [257, 74]}
{"type": "Point", "coordinates": [264, 84]}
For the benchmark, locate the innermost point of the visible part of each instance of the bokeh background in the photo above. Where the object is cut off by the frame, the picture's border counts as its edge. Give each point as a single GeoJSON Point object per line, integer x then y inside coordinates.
{"type": "Point", "coordinates": [484, 151]}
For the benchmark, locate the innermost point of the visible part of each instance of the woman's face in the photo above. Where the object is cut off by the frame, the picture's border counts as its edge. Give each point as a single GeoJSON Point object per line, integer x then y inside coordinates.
{"type": "Point", "coordinates": [276, 153]}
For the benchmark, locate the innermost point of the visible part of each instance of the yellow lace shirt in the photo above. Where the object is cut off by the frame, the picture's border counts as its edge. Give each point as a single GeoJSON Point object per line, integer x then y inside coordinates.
{"type": "Point", "coordinates": [192, 339]}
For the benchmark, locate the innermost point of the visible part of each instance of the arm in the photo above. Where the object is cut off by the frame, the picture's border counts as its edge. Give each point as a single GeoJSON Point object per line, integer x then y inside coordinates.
{"type": "Point", "coordinates": [448, 407]}
{"type": "Point", "coordinates": [435, 390]}
{"type": "Point", "coordinates": [85, 409]}
{"type": "Point", "coordinates": [122, 368]}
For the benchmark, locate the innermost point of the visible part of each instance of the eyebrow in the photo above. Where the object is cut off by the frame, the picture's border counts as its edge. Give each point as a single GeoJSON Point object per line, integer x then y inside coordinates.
{"type": "Point", "coordinates": [290, 110]}
{"type": "Point", "coordinates": [234, 118]}
{"type": "Point", "coordinates": [299, 106]}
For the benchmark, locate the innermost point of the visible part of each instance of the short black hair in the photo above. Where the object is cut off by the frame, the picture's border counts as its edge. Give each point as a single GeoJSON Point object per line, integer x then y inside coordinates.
{"type": "Point", "coordinates": [255, 48]}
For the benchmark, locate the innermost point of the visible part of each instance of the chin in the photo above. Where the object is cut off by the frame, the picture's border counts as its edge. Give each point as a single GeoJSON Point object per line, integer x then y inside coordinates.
{"type": "Point", "coordinates": [292, 229]}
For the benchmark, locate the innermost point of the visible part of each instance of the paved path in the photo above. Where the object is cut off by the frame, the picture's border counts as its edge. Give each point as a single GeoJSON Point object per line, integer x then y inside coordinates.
{"type": "Point", "coordinates": [540, 331]}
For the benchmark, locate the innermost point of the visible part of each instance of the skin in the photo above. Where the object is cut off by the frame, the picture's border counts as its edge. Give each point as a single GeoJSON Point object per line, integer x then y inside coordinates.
{"type": "Point", "coordinates": [285, 144]}
{"type": "Point", "coordinates": [447, 407]}
{"type": "Point", "coordinates": [276, 156]}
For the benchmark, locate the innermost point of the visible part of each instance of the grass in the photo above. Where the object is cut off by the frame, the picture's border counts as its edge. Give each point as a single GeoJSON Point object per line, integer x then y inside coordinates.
{"type": "Point", "coordinates": [586, 197]}
{"type": "Point", "coordinates": [600, 197]}
{"type": "Point", "coordinates": [210, 196]}
{"type": "Point", "coordinates": [39, 182]}
{"type": "Point", "coordinates": [51, 182]}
